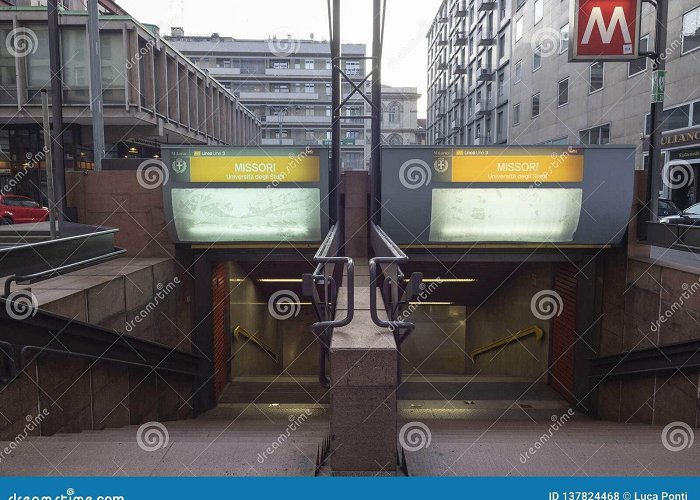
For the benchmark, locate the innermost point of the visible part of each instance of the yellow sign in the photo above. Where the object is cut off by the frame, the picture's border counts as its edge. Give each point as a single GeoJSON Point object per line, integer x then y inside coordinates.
{"type": "Point", "coordinates": [293, 168]}
{"type": "Point", "coordinates": [556, 168]}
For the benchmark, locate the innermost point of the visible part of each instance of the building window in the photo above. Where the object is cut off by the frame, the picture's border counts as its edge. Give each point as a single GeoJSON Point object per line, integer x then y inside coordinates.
{"type": "Point", "coordinates": [535, 105]}
{"type": "Point", "coordinates": [329, 64]}
{"type": "Point", "coordinates": [539, 11]}
{"type": "Point", "coordinates": [537, 58]}
{"type": "Point", "coordinates": [501, 84]}
{"type": "Point", "coordinates": [595, 135]}
{"type": "Point", "coordinates": [501, 46]}
{"type": "Point", "coordinates": [516, 114]}
{"type": "Point", "coordinates": [639, 65]}
{"type": "Point", "coordinates": [518, 72]}
{"type": "Point", "coordinates": [563, 92]}
{"type": "Point", "coordinates": [309, 88]}
{"type": "Point", "coordinates": [564, 38]}
{"type": "Point", "coordinates": [309, 64]}
{"type": "Point", "coordinates": [595, 77]}
{"type": "Point", "coordinates": [691, 31]}
{"type": "Point", "coordinates": [394, 113]}
{"type": "Point", "coordinates": [519, 29]}
{"type": "Point", "coordinates": [352, 68]}
{"type": "Point", "coordinates": [280, 65]}
{"type": "Point", "coordinates": [329, 89]}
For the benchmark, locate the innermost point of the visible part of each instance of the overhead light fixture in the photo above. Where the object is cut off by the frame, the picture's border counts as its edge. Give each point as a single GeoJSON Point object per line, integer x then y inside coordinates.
{"type": "Point", "coordinates": [447, 280]}
{"type": "Point", "coordinates": [431, 303]}
{"type": "Point", "coordinates": [279, 280]}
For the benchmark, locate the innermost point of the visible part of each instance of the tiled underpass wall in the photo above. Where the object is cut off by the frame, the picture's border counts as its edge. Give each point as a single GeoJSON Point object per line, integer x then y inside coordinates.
{"type": "Point", "coordinates": [79, 394]}
{"type": "Point", "coordinates": [636, 295]}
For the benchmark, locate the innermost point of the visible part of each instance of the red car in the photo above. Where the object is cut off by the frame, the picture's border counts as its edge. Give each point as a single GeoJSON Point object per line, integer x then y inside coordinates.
{"type": "Point", "coordinates": [20, 209]}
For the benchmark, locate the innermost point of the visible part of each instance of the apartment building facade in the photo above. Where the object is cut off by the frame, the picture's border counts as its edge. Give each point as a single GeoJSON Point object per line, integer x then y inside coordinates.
{"type": "Point", "coordinates": [287, 83]}
{"type": "Point", "coordinates": [556, 102]}
{"type": "Point", "coordinates": [152, 94]}
{"type": "Point", "coordinates": [468, 72]}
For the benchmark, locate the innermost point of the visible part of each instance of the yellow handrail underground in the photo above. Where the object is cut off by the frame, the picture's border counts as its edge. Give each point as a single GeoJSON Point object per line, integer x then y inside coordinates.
{"type": "Point", "coordinates": [533, 330]}
{"type": "Point", "coordinates": [240, 331]}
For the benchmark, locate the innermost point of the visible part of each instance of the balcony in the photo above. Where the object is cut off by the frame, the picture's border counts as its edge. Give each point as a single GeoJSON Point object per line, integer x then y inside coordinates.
{"type": "Point", "coordinates": [279, 96]}
{"type": "Point", "coordinates": [441, 89]}
{"type": "Point", "coordinates": [461, 69]}
{"type": "Point", "coordinates": [485, 38]}
{"type": "Point", "coordinates": [457, 96]}
{"type": "Point", "coordinates": [311, 73]}
{"type": "Point", "coordinates": [440, 111]}
{"type": "Point", "coordinates": [486, 5]}
{"type": "Point", "coordinates": [443, 19]}
{"type": "Point", "coordinates": [483, 107]}
{"type": "Point", "coordinates": [276, 142]}
{"type": "Point", "coordinates": [455, 126]}
{"type": "Point", "coordinates": [442, 65]}
{"type": "Point", "coordinates": [298, 120]}
{"type": "Point", "coordinates": [442, 41]}
{"type": "Point", "coordinates": [461, 38]}
{"type": "Point", "coordinates": [461, 9]}
{"type": "Point", "coordinates": [484, 73]}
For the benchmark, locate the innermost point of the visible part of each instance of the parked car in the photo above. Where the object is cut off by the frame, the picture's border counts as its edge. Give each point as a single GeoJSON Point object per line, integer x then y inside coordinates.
{"type": "Point", "coordinates": [20, 210]}
{"type": "Point", "coordinates": [690, 216]}
{"type": "Point", "coordinates": [667, 208]}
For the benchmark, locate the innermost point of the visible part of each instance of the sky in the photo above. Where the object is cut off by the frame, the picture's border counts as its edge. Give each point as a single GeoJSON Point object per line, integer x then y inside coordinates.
{"type": "Point", "coordinates": [405, 43]}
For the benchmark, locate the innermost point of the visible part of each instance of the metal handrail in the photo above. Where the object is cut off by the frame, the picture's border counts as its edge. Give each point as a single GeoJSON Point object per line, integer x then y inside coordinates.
{"type": "Point", "coordinates": [239, 330]}
{"type": "Point", "coordinates": [59, 271]}
{"type": "Point", "coordinates": [395, 298]}
{"type": "Point", "coordinates": [325, 307]}
{"type": "Point", "coordinates": [381, 242]}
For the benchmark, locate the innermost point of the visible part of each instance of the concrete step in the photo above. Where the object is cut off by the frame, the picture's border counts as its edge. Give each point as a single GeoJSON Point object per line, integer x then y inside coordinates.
{"type": "Point", "coordinates": [579, 447]}
{"type": "Point", "coordinates": [194, 447]}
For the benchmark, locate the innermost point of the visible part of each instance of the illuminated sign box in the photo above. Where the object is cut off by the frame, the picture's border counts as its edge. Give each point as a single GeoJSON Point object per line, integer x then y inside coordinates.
{"type": "Point", "coordinates": [246, 195]}
{"type": "Point", "coordinates": [519, 195]}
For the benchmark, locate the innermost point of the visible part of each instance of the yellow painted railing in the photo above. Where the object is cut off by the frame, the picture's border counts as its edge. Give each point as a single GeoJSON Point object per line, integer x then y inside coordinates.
{"type": "Point", "coordinates": [239, 331]}
{"type": "Point", "coordinates": [533, 330]}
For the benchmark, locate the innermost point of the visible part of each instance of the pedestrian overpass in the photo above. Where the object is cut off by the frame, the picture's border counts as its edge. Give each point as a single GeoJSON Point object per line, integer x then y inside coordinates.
{"type": "Point", "coordinates": [453, 292]}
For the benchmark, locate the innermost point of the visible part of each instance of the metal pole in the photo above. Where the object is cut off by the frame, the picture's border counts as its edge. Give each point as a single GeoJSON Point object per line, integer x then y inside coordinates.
{"type": "Point", "coordinates": [98, 126]}
{"type": "Point", "coordinates": [376, 158]}
{"type": "Point", "coordinates": [657, 115]}
{"type": "Point", "coordinates": [334, 178]}
{"type": "Point", "coordinates": [51, 195]}
{"type": "Point", "coordinates": [57, 109]}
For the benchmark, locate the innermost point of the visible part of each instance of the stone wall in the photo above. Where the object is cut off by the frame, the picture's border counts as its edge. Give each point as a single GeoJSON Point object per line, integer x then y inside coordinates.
{"type": "Point", "coordinates": [636, 294]}
{"type": "Point", "coordinates": [116, 199]}
{"type": "Point", "coordinates": [80, 394]}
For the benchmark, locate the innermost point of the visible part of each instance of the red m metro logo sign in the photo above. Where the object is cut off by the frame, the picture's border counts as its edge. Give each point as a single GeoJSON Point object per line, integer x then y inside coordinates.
{"type": "Point", "coordinates": [604, 30]}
